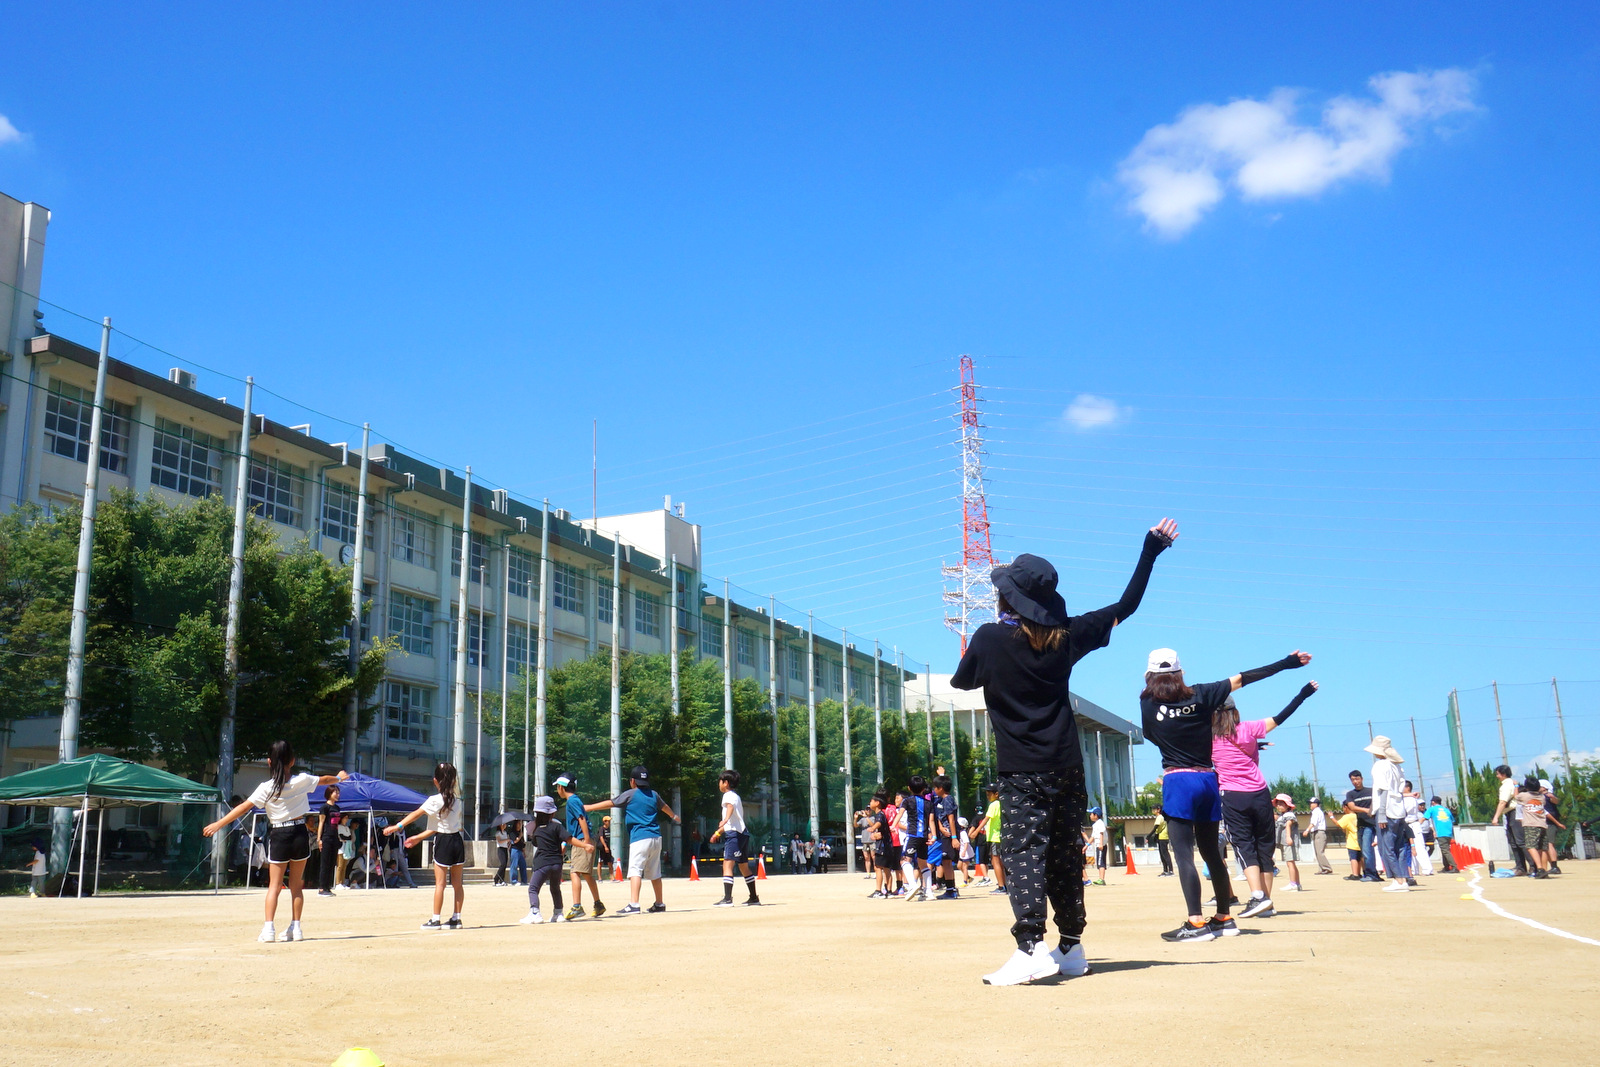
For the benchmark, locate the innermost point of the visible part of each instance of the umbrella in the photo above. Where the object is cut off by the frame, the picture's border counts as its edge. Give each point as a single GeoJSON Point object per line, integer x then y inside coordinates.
{"type": "Point", "coordinates": [510, 816]}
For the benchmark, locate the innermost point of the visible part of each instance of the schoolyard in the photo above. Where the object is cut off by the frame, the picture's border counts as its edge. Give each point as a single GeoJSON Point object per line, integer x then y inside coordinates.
{"type": "Point", "coordinates": [820, 974]}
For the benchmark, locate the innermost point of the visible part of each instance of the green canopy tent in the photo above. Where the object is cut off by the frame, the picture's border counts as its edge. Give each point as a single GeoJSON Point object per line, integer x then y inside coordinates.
{"type": "Point", "coordinates": [100, 782]}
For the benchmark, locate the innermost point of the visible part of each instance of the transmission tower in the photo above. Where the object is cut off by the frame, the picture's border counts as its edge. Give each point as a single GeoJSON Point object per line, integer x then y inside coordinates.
{"type": "Point", "coordinates": [968, 591]}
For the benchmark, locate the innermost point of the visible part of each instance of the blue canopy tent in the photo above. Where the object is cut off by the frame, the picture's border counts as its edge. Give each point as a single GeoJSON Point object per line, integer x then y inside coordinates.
{"type": "Point", "coordinates": [364, 793]}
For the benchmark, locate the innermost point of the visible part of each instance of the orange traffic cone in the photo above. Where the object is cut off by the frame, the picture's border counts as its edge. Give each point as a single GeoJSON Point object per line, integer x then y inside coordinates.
{"type": "Point", "coordinates": [761, 867]}
{"type": "Point", "coordinates": [694, 870]}
{"type": "Point", "coordinates": [982, 873]}
{"type": "Point", "coordinates": [616, 872]}
{"type": "Point", "coordinates": [1131, 868]}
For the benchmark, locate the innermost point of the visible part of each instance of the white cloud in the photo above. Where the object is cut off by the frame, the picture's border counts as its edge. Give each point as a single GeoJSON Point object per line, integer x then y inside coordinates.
{"type": "Point", "coordinates": [1552, 761]}
{"type": "Point", "coordinates": [1088, 412]}
{"type": "Point", "coordinates": [1180, 171]}
{"type": "Point", "coordinates": [9, 134]}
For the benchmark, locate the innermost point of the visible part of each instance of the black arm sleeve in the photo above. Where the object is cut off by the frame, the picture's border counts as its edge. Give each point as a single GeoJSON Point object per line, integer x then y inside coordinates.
{"type": "Point", "coordinates": [1299, 698]}
{"type": "Point", "coordinates": [1154, 545]}
{"type": "Point", "coordinates": [1287, 663]}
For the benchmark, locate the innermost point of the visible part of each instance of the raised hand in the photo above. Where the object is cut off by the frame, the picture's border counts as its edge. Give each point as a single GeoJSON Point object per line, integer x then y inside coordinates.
{"type": "Point", "coordinates": [1166, 529]}
{"type": "Point", "coordinates": [1303, 657]}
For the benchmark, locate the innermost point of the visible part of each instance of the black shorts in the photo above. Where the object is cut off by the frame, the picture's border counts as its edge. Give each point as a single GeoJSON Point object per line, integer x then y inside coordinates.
{"type": "Point", "coordinates": [448, 850]}
{"type": "Point", "coordinates": [914, 849]}
{"type": "Point", "coordinates": [288, 844]}
{"type": "Point", "coordinates": [880, 854]}
{"type": "Point", "coordinates": [951, 849]}
{"type": "Point", "coordinates": [1251, 826]}
{"type": "Point", "coordinates": [1100, 856]}
{"type": "Point", "coordinates": [735, 846]}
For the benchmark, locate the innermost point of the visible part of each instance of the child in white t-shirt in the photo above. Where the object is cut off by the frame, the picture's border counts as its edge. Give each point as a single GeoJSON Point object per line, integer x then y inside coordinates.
{"type": "Point", "coordinates": [37, 869]}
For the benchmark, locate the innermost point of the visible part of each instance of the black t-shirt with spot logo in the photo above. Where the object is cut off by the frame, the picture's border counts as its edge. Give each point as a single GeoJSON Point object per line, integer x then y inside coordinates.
{"type": "Point", "coordinates": [1182, 730]}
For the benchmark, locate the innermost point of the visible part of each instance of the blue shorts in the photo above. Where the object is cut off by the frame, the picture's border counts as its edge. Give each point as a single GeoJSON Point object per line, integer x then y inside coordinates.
{"type": "Point", "coordinates": [735, 846]}
{"type": "Point", "coordinates": [935, 852]}
{"type": "Point", "coordinates": [1191, 795]}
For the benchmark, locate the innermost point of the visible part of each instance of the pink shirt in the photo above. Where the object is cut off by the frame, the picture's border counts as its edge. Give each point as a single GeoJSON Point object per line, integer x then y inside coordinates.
{"type": "Point", "coordinates": [1238, 759]}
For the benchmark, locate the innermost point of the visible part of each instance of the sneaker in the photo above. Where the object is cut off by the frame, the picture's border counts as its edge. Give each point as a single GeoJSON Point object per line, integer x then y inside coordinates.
{"type": "Point", "coordinates": [1190, 932]}
{"type": "Point", "coordinates": [1073, 963]}
{"type": "Point", "coordinates": [599, 909]}
{"type": "Point", "coordinates": [656, 909]}
{"type": "Point", "coordinates": [1099, 881]}
{"type": "Point", "coordinates": [1292, 887]}
{"type": "Point", "coordinates": [454, 923]}
{"type": "Point", "coordinates": [433, 924]}
{"type": "Point", "coordinates": [753, 902]}
{"type": "Point", "coordinates": [1223, 926]}
{"type": "Point", "coordinates": [914, 895]}
{"type": "Point", "coordinates": [1397, 887]}
{"type": "Point", "coordinates": [1164, 874]}
{"type": "Point", "coordinates": [294, 932]}
{"type": "Point", "coordinates": [1259, 907]}
{"type": "Point", "coordinates": [998, 891]}
{"type": "Point", "coordinates": [1412, 882]}
{"type": "Point", "coordinates": [576, 912]}
{"type": "Point", "coordinates": [1024, 967]}
{"type": "Point", "coordinates": [1555, 868]}
{"type": "Point", "coordinates": [725, 903]}
{"type": "Point", "coordinates": [324, 892]}
{"type": "Point", "coordinates": [948, 894]}
{"type": "Point", "coordinates": [1352, 878]}
{"type": "Point", "coordinates": [629, 909]}
{"type": "Point", "coordinates": [268, 933]}
{"type": "Point", "coordinates": [875, 894]}
{"type": "Point", "coordinates": [558, 918]}
{"type": "Point", "coordinates": [533, 917]}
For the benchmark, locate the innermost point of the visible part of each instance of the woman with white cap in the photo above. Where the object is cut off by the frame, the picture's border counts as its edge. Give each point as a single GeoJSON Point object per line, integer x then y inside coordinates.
{"type": "Point", "coordinates": [1389, 809]}
{"type": "Point", "coordinates": [1177, 719]}
{"type": "Point", "coordinates": [1023, 663]}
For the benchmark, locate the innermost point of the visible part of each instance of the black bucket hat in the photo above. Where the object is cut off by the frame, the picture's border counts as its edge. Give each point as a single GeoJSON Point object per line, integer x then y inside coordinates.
{"type": "Point", "coordinates": [1029, 586]}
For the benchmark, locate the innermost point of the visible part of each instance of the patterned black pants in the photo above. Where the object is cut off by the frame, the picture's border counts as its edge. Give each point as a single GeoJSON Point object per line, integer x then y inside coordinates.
{"type": "Point", "coordinates": [1041, 842]}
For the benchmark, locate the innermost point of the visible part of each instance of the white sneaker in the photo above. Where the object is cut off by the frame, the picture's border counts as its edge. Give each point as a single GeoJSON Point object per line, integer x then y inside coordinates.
{"type": "Point", "coordinates": [1292, 887]}
{"type": "Point", "coordinates": [268, 933]}
{"type": "Point", "coordinates": [558, 918]}
{"type": "Point", "coordinates": [1024, 967]}
{"type": "Point", "coordinates": [1257, 906]}
{"type": "Point", "coordinates": [1397, 887]}
{"type": "Point", "coordinates": [530, 918]}
{"type": "Point", "coordinates": [294, 933]}
{"type": "Point", "coordinates": [1072, 964]}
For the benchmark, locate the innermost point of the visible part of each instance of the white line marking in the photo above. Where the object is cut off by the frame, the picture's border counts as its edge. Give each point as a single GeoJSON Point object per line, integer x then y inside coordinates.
{"type": "Point", "coordinates": [1477, 894]}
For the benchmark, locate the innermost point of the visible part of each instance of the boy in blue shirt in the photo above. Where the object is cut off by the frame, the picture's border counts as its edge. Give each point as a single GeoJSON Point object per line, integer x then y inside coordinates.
{"type": "Point", "coordinates": [1444, 831]}
{"type": "Point", "coordinates": [915, 814]}
{"type": "Point", "coordinates": [581, 859]}
{"type": "Point", "coordinates": [641, 809]}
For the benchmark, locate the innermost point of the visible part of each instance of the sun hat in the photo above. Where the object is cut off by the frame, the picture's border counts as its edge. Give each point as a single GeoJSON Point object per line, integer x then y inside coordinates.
{"type": "Point", "coordinates": [1029, 585]}
{"type": "Point", "coordinates": [1285, 799]}
{"type": "Point", "coordinates": [544, 806]}
{"type": "Point", "coordinates": [1381, 746]}
{"type": "Point", "coordinates": [1163, 661]}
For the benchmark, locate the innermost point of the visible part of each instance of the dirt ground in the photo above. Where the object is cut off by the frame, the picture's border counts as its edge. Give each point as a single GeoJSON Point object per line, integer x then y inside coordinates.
{"type": "Point", "coordinates": [821, 974]}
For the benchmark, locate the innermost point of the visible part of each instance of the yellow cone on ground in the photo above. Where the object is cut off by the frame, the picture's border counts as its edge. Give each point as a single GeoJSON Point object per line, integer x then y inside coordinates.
{"type": "Point", "coordinates": [1464, 896]}
{"type": "Point", "coordinates": [358, 1057]}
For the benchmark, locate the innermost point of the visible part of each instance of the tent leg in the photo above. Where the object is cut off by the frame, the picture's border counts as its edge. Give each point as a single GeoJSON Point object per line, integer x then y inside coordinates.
{"type": "Point", "coordinates": [83, 847]}
{"type": "Point", "coordinates": [61, 892]}
{"type": "Point", "coordinates": [369, 850]}
{"type": "Point", "coordinates": [99, 849]}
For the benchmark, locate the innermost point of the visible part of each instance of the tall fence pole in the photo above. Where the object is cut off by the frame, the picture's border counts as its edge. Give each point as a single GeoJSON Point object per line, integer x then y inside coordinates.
{"type": "Point", "coordinates": [849, 766]}
{"type": "Point", "coordinates": [72, 706]}
{"type": "Point", "coordinates": [616, 681]}
{"type": "Point", "coordinates": [505, 664]}
{"type": "Point", "coordinates": [955, 756]}
{"type": "Point", "coordinates": [727, 675]}
{"type": "Point", "coordinates": [458, 742]}
{"type": "Point", "coordinates": [1500, 722]}
{"type": "Point", "coordinates": [1422, 778]}
{"type": "Point", "coordinates": [877, 710]}
{"type": "Point", "coordinates": [241, 510]}
{"type": "Point", "coordinates": [772, 700]}
{"type": "Point", "coordinates": [677, 791]}
{"type": "Point", "coordinates": [1561, 723]}
{"type": "Point", "coordinates": [811, 720]}
{"type": "Point", "coordinates": [1316, 779]}
{"type": "Point", "coordinates": [1100, 771]}
{"type": "Point", "coordinates": [527, 694]}
{"type": "Point", "coordinates": [358, 581]}
{"type": "Point", "coordinates": [900, 682]}
{"type": "Point", "coordinates": [1462, 771]}
{"type": "Point", "coordinates": [541, 681]}
{"type": "Point", "coordinates": [477, 703]}
{"type": "Point", "coordinates": [927, 711]}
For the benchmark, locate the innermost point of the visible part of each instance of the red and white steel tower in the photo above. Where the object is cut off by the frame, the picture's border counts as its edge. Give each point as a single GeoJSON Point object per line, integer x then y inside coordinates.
{"type": "Point", "coordinates": [969, 592]}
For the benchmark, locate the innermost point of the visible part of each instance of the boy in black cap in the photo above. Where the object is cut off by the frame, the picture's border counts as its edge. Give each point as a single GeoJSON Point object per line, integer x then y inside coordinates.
{"type": "Point", "coordinates": [641, 814]}
{"type": "Point", "coordinates": [1023, 663]}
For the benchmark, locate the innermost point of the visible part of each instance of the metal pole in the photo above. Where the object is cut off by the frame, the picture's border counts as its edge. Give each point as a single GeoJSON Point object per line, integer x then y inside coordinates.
{"type": "Point", "coordinates": [541, 683]}
{"type": "Point", "coordinates": [1100, 770]}
{"type": "Point", "coordinates": [1461, 744]}
{"type": "Point", "coordinates": [231, 635]}
{"type": "Point", "coordinates": [849, 766]}
{"type": "Point", "coordinates": [477, 725]}
{"type": "Point", "coordinates": [900, 682]}
{"type": "Point", "coordinates": [1498, 721]}
{"type": "Point", "coordinates": [955, 757]}
{"type": "Point", "coordinates": [1422, 779]}
{"type": "Point", "coordinates": [1566, 755]}
{"type": "Point", "coordinates": [877, 710]}
{"type": "Point", "coordinates": [1311, 744]}
{"type": "Point", "coordinates": [72, 707]}
{"type": "Point", "coordinates": [352, 715]}
{"type": "Point", "coordinates": [616, 682]}
{"type": "Point", "coordinates": [677, 791]}
{"type": "Point", "coordinates": [527, 696]}
{"type": "Point", "coordinates": [772, 700]}
{"type": "Point", "coordinates": [99, 847]}
{"type": "Point", "coordinates": [458, 742]}
{"type": "Point", "coordinates": [505, 666]}
{"type": "Point", "coordinates": [927, 712]}
{"type": "Point", "coordinates": [811, 719]}
{"type": "Point", "coordinates": [727, 676]}
{"type": "Point", "coordinates": [83, 845]}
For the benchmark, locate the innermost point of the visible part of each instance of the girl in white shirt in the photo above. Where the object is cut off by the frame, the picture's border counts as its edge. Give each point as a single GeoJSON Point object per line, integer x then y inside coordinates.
{"type": "Point", "coordinates": [449, 851]}
{"type": "Point", "coordinates": [284, 798]}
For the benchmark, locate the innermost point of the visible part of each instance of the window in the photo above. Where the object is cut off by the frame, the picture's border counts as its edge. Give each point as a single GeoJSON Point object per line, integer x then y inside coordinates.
{"type": "Point", "coordinates": [339, 514]}
{"type": "Point", "coordinates": [480, 556]}
{"type": "Point", "coordinates": [647, 614]}
{"type": "Point", "coordinates": [521, 573]}
{"type": "Point", "coordinates": [411, 620]}
{"type": "Point", "coordinates": [745, 647]}
{"type": "Point", "coordinates": [858, 682]}
{"type": "Point", "coordinates": [277, 490]}
{"type": "Point", "coordinates": [476, 637]}
{"type": "Point", "coordinates": [710, 636]}
{"type": "Point", "coordinates": [683, 599]}
{"type": "Point", "coordinates": [413, 540]}
{"type": "Point", "coordinates": [795, 664]}
{"type": "Point", "coordinates": [604, 602]}
{"type": "Point", "coordinates": [518, 654]}
{"type": "Point", "coordinates": [568, 590]}
{"type": "Point", "coordinates": [408, 711]}
{"type": "Point", "coordinates": [818, 677]}
{"type": "Point", "coordinates": [186, 460]}
{"type": "Point", "coordinates": [67, 413]}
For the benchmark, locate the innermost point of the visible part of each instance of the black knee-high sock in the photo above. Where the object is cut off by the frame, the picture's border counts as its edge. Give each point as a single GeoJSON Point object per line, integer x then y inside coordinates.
{"type": "Point", "coordinates": [727, 887]}
{"type": "Point", "coordinates": [750, 884]}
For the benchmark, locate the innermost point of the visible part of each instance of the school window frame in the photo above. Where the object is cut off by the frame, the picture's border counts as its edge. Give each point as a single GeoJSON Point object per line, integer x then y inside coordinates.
{"type": "Point", "coordinates": [646, 613]}
{"type": "Point", "coordinates": [477, 634]}
{"type": "Point", "coordinates": [480, 569]}
{"type": "Point", "coordinates": [413, 539]}
{"type": "Point", "coordinates": [518, 651]}
{"type": "Point", "coordinates": [408, 713]}
{"type": "Point", "coordinates": [710, 636]}
{"type": "Point", "coordinates": [744, 647]}
{"type": "Point", "coordinates": [341, 515]}
{"type": "Point", "coordinates": [185, 460]}
{"type": "Point", "coordinates": [522, 574]}
{"type": "Point", "coordinates": [796, 667]}
{"type": "Point", "coordinates": [604, 602]}
{"type": "Point", "coordinates": [277, 490]}
{"type": "Point", "coordinates": [411, 619]}
{"type": "Point", "coordinates": [68, 411]}
{"type": "Point", "coordinates": [566, 588]}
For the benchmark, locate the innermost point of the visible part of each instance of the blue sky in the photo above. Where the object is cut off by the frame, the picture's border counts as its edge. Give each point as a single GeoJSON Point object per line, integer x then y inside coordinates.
{"type": "Point", "coordinates": [751, 243]}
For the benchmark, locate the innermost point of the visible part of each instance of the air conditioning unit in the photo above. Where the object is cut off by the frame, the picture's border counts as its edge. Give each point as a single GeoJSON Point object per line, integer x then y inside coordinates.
{"type": "Point", "coordinates": [182, 378]}
{"type": "Point", "coordinates": [562, 514]}
{"type": "Point", "coordinates": [502, 501]}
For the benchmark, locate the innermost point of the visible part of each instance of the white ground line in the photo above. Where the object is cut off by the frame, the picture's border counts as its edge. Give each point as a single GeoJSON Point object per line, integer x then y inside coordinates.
{"type": "Point", "coordinates": [1477, 894]}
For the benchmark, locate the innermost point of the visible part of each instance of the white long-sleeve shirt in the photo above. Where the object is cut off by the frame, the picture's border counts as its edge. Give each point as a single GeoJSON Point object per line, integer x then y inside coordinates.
{"type": "Point", "coordinates": [1319, 820]}
{"type": "Point", "coordinates": [1388, 791]}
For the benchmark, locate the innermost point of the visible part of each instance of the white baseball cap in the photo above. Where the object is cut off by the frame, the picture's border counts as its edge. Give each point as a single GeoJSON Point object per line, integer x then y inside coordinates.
{"type": "Point", "coordinates": [1164, 661]}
